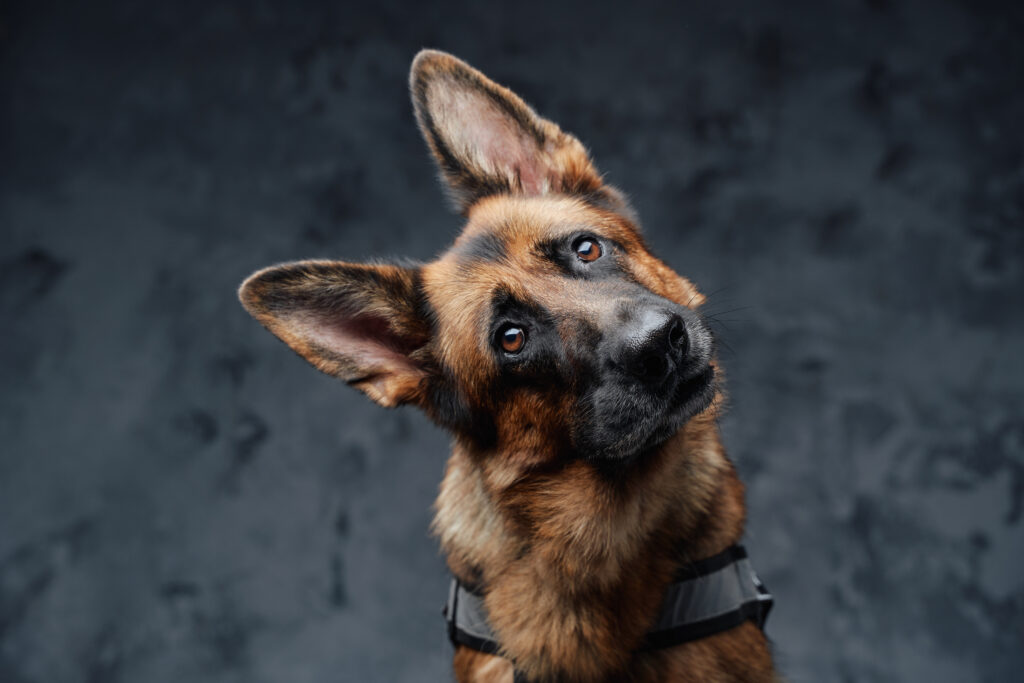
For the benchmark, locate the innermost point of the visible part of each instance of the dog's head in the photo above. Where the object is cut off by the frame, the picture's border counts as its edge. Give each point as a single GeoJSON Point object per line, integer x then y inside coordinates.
{"type": "Point", "coordinates": [547, 331]}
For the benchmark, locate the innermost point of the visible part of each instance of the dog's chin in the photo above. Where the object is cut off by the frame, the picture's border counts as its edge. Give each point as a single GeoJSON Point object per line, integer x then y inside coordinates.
{"type": "Point", "coordinates": [692, 398]}
{"type": "Point", "coordinates": [624, 426]}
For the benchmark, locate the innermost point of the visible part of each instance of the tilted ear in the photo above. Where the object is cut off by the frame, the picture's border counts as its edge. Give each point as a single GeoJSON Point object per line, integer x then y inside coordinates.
{"type": "Point", "coordinates": [487, 141]}
{"type": "Point", "coordinates": [362, 323]}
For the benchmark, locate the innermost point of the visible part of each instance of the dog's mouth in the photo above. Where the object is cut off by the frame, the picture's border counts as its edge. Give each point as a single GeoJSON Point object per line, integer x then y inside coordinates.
{"type": "Point", "coordinates": [625, 422]}
{"type": "Point", "coordinates": [693, 396]}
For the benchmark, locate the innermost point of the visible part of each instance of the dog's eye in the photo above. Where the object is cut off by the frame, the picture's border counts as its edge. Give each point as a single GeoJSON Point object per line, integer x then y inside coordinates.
{"type": "Point", "coordinates": [512, 338]}
{"type": "Point", "coordinates": [587, 249]}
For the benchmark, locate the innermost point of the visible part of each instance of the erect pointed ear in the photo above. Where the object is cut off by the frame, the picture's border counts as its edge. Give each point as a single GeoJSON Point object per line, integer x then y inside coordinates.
{"type": "Point", "coordinates": [486, 140]}
{"type": "Point", "coordinates": [362, 323]}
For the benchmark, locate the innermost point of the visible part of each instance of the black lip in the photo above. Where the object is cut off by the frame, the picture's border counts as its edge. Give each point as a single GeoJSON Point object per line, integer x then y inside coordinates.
{"type": "Point", "coordinates": [695, 394]}
{"type": "Point", "coordinates": [690, 397]}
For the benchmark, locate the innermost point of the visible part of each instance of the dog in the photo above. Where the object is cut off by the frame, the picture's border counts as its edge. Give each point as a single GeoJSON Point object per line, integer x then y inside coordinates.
{"type": "Point", "coordinates": [580, 384]}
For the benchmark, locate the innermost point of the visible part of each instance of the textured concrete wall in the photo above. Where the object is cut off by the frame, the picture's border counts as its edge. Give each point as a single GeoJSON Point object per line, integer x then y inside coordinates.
{"type": "Point", "coordinates": [182, 499]}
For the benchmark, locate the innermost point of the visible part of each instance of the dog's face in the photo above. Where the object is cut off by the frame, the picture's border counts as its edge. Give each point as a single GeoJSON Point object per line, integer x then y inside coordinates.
{"type": "Point", "coordinates": [547, 331]}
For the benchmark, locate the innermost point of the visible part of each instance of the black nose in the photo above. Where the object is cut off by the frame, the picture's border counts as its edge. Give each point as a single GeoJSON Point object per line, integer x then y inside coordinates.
{"type": "Point", "coordinates": [654, 346]}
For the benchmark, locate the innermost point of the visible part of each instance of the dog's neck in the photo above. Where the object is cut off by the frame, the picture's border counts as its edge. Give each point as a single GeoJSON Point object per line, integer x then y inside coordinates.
{"type": "Point", "coordinates": [574, 561]}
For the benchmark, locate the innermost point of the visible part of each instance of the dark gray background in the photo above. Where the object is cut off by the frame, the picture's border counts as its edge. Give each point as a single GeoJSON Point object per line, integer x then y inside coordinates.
{"type": "Point", "coordinates": [183, 499]}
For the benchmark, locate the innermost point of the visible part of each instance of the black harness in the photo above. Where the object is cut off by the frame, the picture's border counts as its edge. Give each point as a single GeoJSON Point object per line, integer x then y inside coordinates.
{"type": "Point", "coordinates": [707, 597]}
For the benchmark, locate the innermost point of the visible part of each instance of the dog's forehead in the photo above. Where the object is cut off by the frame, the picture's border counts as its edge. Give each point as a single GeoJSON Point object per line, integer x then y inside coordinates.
{"type": "Point", "coordinates": [501, 249]}
{"type": "Point", "coordinates": [508, 228]}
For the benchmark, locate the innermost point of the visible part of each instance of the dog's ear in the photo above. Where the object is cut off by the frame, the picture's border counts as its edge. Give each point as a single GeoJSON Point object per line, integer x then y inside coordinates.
{"type": "Point", "coordinates": [486, 140]}
{"type": "Point", "coordinates": [362, 323]}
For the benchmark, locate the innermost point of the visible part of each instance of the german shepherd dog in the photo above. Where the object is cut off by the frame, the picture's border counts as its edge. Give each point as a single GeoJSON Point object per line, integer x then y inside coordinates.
{"type": "Point", "coordinates": [579, 382]}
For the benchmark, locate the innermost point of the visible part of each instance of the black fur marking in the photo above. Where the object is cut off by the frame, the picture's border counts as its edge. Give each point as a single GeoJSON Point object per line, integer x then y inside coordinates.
{"type": "Point", "coordinates": [561, 253]}
{"type": "Point", "coordinates": [487, 247]}
{"type": "Point", "coordinates": [421, 307]}
{"type": "Point", "coordinates": [543, 360]}
{"type": "Point", "coordinates": [448, 406]}
{"type": "Point", "coordinates": [445, 402]}
{"type": "Point", "coordinates": [607, 198]}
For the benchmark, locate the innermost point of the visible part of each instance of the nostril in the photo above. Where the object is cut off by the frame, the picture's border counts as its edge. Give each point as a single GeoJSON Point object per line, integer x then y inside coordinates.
{"type": "Point", "coordinates": [677, 334]}
{"type": "Point", "coordinates": [654, 348]}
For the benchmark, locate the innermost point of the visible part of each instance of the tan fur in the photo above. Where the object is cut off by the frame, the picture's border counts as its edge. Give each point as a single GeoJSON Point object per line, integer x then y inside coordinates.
{"type": "Point", "coordinates": [573, 561]}
{"type": "Point", "coordinates": [559, 579]}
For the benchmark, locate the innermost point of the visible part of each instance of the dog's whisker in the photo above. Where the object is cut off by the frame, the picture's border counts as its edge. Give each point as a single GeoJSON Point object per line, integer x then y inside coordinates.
{"type": "Point", "coordinates": [726, 312]}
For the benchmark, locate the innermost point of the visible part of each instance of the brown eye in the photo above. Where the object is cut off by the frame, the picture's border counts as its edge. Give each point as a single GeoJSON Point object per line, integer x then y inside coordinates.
{"type": "Point", "coordinates": [513, 339]}
{"type": "Point", "coordinates": [588, 250]}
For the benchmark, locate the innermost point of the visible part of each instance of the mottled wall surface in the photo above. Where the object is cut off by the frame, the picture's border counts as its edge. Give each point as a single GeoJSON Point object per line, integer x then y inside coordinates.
{"type": "Point", "coordinates": [183, 499]}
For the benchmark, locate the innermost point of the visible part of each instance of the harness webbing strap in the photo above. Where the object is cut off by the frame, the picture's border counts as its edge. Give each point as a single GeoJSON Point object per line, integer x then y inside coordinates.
{"type": "Point", "coordinates": [708, 596]}
{"type": "Point", "coordinates": [467, 619]}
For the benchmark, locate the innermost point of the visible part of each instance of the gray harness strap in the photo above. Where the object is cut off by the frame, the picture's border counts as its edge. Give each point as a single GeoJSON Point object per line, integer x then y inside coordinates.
{"type": "Point", "coordinates": [708, 596]}
{"type": "Point", "coordinates": [467, 619]}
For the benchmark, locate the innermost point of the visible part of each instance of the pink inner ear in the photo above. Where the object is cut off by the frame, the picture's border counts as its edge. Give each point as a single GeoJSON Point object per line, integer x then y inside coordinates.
{"type": "Point", "coordinates": [494, 141]}
{"type": "Point", "coordinates": [366, 341]}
